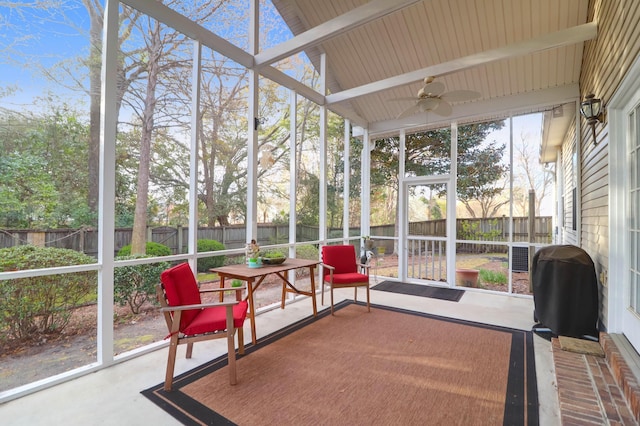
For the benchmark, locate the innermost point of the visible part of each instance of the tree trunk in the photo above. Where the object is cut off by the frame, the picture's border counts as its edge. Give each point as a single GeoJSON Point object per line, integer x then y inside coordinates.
{"type": "Point", "coordinates": [95, 66]}
{"type": "Point", "coordinates": [139, 234]}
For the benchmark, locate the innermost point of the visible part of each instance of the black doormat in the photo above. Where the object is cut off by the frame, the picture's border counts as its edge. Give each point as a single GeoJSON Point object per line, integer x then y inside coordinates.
{"type": "Point", "coordinates": [450, 294]}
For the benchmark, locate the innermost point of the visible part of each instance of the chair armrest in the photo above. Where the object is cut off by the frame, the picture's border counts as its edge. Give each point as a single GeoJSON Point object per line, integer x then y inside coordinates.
{"type": "Point", "coordinates": [217, 290]}
{"type": "Point", "coordinates": [198, 306]}
{"type": "Point", "coordinates": [365, 266]}
{"type": "Point", "coordinates": [329, 267]}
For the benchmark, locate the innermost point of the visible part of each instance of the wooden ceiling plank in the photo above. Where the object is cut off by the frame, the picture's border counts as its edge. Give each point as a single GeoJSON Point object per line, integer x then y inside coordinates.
{"type": "Point", "coordinates": [359, 16]}
{"type": "Point", "coordinates": [568, 36]}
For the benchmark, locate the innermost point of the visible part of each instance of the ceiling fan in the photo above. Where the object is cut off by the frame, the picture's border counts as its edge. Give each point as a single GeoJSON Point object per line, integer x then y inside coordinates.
{"type": "Point", "coordinates": [433, 98]}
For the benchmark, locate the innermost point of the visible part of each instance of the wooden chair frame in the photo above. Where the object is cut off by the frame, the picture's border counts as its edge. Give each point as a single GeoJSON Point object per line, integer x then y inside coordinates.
{"type": "Point", "coordinates": [172, 315]}
{"type": "Point", "coordinates": [355, 285]}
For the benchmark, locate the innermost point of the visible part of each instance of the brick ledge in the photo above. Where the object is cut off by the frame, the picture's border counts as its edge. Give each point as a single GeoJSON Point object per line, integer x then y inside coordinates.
{"type": "Point", "coordinates": [624, 375]}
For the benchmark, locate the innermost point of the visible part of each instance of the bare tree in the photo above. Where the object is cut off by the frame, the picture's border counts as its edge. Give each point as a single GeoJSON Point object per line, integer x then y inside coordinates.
{"type": "Point", "coordinates": [529, 174]}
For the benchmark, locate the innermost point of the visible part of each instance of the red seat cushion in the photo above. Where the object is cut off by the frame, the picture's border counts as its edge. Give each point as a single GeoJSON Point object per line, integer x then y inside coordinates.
{"type": "Point", "coordinates": [353, 277]}
{"type": "Point", "coordinates": [181, 289]}
{"type": "Point", "coordinates": [215, 319]}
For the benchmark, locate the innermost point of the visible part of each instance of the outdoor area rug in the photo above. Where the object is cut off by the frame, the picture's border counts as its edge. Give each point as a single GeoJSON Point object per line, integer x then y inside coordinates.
{"type": "Point", "coordinates": [387, 366]}
{"type": "Point", "coordinates": [450, 294]}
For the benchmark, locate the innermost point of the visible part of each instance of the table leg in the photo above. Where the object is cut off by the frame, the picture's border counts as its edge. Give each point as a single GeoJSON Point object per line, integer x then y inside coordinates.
{"type": "Point", "coordinates": [284, 292]}
{"type": "Point", "coordinates": [313, 290]}
{"type": "Point", "coordinates": [252, 311]}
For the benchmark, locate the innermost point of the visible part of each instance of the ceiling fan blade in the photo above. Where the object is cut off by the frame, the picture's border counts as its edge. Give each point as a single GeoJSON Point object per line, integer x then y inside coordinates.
{"type": "Point", "coordinates": [460, 95]}
{"type": "Point", "coordinates": [409, 111]}
{"type": "Point", "coordinates": [435, 88]}
{"type": "Point", "coordinates": [444, 108]}
{"type": "Point", "coordinates": [412, 98]}
{"type": "Point", "coordinates": [428, 104]}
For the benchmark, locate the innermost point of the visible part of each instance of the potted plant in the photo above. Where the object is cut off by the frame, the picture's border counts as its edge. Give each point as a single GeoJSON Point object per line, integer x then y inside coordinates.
{"type": "Point", "coordinates": [273, 257]}
{"type": "Point", "coordinates": [253, 254]}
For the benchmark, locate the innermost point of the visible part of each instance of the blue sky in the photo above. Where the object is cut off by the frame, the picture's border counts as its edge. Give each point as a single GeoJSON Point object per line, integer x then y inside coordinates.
{"type": "Point", "coordinates": [31, 36]}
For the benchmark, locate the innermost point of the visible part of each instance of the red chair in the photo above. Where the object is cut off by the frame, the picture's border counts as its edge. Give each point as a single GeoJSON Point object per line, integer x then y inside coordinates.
{"type": "Point", "coordinates": [340, 269]}
{"type": "Point", "coordinates": [189, 320]}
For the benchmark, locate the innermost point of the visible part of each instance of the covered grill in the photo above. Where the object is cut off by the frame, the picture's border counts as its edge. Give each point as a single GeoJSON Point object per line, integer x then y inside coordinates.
{"type": "Point", "coordinates": [565, 291]}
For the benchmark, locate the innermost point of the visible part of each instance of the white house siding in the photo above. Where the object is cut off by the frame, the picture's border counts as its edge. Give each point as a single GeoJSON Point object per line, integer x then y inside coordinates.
{"type": "Point", "coordinates": [605, 62]}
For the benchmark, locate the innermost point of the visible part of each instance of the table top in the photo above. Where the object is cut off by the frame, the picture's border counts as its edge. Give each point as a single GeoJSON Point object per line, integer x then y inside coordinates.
{"type": "Point", "coordinates": [243, 271]}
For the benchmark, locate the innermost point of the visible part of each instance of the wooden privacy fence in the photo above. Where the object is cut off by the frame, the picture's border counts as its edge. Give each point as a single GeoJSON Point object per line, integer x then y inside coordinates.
{"type": "Point", "coordinates": [86, 239]}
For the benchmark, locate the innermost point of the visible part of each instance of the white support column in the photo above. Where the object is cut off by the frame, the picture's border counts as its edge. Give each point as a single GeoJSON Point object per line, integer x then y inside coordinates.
{"type": "Point", "coordinates": [452, 195]}
{"type": "Point", "coordinates": [403, 216]}
{"type": "Point", "coordinates": [253, 123]}
{"type": "Point", "coordinates": [322, 122]}
{"type": "Point", "coordinates": [107, 196]}
{"type": "Point", "coordinates": [346, 184]}
{"type": "Point", "coordinates": [365, 186]}
{"type": "Point", "coordinates": [293, 171]}
{"type": "Point", "coordinates": [192, 244]}
{"type": "Point", "coordinates": [510, 237]}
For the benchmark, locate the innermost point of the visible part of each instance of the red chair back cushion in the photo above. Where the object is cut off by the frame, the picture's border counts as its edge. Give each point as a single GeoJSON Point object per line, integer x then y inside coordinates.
{"type": "Point", "coordinates": [181, 289]}
{"type": "Point", "coordinates": [343, 258]}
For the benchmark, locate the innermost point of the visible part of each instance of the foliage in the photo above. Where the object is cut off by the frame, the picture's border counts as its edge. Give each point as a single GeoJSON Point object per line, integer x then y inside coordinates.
{"type": "Point", "coordinates": [206, 263]}
{"type": "Point", "coordinates": [280, 218]}
{"type": "Point", "coordinates": [492, 277]}
{"type": "Point", "coordinates": [134, 285]}
{"type": "Point", "coordinates": [471, 230]}
{"type": "Point", "coordinates": [27, 195]}
{"type": "Point", "coordinates": [308, 206]}
{"type": "Point", "coordinates": [43, 167]}
{"type": "Point", "coordinates": [152, 249]}
{"type": "Point", "coordinates": [307, 251]}
{"type": "Point", "coordinates": [41, 304]}
{"type": "Point", "coordinates": [480, 164]}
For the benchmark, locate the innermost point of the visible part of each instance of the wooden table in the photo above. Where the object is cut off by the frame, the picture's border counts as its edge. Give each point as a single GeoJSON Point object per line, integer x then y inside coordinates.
{"type": "Point", "coordinates": [255, 276]}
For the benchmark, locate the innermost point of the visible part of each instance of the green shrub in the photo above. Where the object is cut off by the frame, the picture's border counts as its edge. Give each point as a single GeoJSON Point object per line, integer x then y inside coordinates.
{"type": "Point", "coordinates": [206, 263]}
{"type": "Point", "coordinates": [134, 285]}
{"type": "Point", "coordinates": [42, 304]}
{"type": "Point", "coordinates": [307, 251]}
{"type": "Point", "coordinates": [152, 250]}
{"type": "Point", "coordinates": [492, 277]}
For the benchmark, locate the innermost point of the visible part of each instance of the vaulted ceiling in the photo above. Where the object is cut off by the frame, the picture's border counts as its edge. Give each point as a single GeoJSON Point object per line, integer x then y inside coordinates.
{"type": "Point", "coordinates": [520, 55]}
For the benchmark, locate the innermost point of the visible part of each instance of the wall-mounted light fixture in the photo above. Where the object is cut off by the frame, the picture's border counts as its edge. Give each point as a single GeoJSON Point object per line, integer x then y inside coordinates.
{"type": "Point", "coordinates": [591, 109]}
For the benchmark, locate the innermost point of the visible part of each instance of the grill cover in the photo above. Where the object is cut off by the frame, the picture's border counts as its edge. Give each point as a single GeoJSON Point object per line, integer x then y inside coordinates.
{"type": "Point", "coordinates": [565, 291]}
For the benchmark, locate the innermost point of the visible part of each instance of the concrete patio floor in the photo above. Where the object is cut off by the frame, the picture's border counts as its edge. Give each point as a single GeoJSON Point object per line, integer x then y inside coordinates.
{"type": "Point", "coordinates": [112, 396]}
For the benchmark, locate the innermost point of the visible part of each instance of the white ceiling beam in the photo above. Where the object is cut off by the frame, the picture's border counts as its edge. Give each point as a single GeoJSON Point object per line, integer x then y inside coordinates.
{"type": "Point", "coordinates": [557, 39]}
{"type": "Point", "coordinates": [291, 83]}
{"type": "Point", "coordinates": [186, 26]}
{"type": "Point", "coordinates": [481, 110]}
{"type": "Point", "coordinates": [368, 12]}
{"type": "Point", "coordinates": [348, 113]}
{"type": "Point", "coordinates": [172, 18]}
